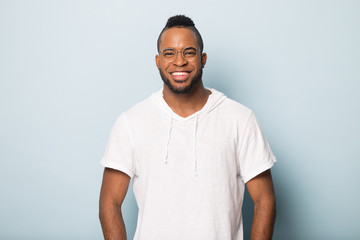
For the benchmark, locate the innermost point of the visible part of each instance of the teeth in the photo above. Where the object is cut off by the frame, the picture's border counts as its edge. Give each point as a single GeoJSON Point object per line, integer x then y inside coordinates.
{"type": "Point", "coordinates": [180, 73]}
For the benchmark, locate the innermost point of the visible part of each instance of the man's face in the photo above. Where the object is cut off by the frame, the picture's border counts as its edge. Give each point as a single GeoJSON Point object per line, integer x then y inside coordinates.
{"type": "Point", "coordinates": [181, 75]}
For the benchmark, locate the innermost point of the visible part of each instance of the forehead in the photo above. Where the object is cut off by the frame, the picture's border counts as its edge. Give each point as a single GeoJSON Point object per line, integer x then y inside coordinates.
{"type": "Point", "coordinates": [178, 38]}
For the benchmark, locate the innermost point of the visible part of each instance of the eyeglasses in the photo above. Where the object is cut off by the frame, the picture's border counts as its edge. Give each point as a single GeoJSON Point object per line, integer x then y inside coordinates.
{"type": "Point", "coordinates": [170, 54]}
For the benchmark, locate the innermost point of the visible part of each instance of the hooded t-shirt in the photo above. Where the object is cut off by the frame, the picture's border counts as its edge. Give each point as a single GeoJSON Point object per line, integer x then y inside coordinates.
{"type": "Point", "coordinates": [188, 174]}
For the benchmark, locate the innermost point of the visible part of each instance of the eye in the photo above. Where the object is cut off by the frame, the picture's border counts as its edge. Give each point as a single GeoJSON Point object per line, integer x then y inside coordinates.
{"type": "Point", "coordinates": [168, 54]}
{"type": "Point", "coordinates": [190, 53]}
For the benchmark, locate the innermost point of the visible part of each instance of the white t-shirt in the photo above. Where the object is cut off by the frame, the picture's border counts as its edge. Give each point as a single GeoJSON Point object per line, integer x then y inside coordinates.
{"type": "Point", "coordinates": [188, 173]}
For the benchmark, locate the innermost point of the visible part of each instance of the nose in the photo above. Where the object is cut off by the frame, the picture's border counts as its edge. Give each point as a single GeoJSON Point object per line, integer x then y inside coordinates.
{"type": "Point", "coordinates": [179, 60]}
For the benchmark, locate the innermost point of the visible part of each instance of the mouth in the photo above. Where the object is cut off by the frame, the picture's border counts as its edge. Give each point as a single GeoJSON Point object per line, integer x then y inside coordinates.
{"type": "Point", "coordinates": [180, 76]}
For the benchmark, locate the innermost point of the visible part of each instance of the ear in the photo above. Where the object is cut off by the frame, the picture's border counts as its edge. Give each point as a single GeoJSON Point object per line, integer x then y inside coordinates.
{"type": "Point", "coordinates": [203, 59]}
{"type": "Point", "coordinates": [157, 59]}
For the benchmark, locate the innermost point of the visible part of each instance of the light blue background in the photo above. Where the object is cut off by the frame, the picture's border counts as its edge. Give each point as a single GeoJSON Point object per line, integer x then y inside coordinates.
{"type": "Point", "coordinates": [69, 68]}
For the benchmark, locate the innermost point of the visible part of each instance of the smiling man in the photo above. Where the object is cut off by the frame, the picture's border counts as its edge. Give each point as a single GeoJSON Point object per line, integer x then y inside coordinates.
{"type": "Point", "coordinates": [184, 76]}
{"type": "Point", "coordinates": [190, 151]}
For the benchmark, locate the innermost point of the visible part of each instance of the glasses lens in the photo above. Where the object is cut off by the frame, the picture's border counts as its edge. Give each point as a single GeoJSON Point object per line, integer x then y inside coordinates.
{"type": "Point", "coordinates": [189, 53]}
{"type": "Point", "coordinates": [168, 55]}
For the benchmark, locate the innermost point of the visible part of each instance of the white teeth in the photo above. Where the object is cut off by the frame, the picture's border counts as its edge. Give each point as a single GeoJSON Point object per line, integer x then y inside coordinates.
{"type": "Point", "coordinates": [180, 73]}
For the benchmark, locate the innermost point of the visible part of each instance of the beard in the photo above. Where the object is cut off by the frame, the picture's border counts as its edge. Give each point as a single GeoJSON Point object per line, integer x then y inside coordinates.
{"type": "Point", "coordinates": [182, 90]}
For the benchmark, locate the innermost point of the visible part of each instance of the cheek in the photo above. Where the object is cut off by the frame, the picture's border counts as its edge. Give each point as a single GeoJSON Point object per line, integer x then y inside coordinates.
{"type": "Point", "coordinates": [198, 66]}
{"type": "Point", "coordinates": [163, 66]}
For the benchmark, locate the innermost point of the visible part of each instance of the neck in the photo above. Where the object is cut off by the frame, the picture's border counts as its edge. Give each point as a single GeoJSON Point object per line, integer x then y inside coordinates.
{"type": "Point", "coordinates": [187, 104]}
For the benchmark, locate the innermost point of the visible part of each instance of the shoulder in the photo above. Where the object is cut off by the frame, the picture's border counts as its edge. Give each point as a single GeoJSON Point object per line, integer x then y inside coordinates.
{"type": "Point", "coordinates": [141, 110]}
{"type": "Point", "coordinates": [236, 106]}
{"type": "Point", "coordinates": [235, 110]}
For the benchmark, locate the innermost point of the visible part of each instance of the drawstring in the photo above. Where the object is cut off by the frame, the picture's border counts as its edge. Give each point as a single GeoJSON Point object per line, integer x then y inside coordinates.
{"type": "Point", "coordinates": [195, 157]}
{"type": "Point", "coordinates": [194, 136]}
{"type": "Point", "coordinates": [168, 141]}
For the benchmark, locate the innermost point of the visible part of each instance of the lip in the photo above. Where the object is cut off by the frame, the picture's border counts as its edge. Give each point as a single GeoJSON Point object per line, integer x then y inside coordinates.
{"type": "Point", "coordinates": [180, 76]}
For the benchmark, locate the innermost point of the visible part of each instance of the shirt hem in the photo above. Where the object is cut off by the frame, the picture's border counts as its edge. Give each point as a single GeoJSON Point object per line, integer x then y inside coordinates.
{"type": "Point", "coordinates": [117, 166]}
{"type": "Point", "coordinates": [259, 170]}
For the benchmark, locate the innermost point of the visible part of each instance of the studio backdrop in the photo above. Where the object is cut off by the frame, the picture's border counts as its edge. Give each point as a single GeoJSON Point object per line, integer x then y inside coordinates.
{"type": "Point", "coordinates": [69, 68]}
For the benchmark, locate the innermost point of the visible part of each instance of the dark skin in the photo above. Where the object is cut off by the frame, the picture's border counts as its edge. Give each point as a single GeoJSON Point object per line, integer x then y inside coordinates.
{"type": "Point", "coordinates": [261, 191]}
{"type": "Point", "coordinates": [113, 190]}
{"type": "Point", "coordinates": [115, 183]}
{"type": "Point", "coordinates": [182, 104]}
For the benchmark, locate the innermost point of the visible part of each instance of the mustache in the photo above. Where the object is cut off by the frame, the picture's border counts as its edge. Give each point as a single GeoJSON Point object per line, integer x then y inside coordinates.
{"type": "Point", "coordinates": [194, 81]}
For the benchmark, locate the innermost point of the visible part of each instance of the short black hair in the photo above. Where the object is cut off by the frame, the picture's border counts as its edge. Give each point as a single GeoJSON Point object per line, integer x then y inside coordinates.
{"type": "Point", "coordinates": [181, 21]}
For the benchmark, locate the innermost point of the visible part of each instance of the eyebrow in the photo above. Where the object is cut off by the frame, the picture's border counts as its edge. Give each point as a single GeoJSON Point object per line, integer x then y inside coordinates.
{"type": "Point", "coordinates": [167, 49]}
{"type": "Point", "coordinates": [175, 49]}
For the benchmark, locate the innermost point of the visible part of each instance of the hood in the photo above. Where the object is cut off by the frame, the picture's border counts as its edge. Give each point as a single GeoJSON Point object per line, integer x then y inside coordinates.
{"type": "Point", "coordinates": [214, 99]}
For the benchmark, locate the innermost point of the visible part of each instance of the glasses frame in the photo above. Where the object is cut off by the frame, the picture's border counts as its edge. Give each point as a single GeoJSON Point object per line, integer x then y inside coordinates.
{"type": "Point", "coordinates": [177, 53]}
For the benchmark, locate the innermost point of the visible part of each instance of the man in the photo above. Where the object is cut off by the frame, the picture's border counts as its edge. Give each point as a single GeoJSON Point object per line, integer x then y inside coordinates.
{"type": "Point", "coordinates": [190, 150]}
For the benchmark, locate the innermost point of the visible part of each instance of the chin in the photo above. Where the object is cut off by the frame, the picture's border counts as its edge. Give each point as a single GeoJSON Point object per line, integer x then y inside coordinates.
{"type": "Point", "coordinates": [181, 89]}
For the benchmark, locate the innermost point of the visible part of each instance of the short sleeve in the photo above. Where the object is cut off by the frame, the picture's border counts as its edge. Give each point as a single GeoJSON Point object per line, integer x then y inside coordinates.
{"type": "Point", "coordinates": [118, 153]}
{"type": "Point", "coordinates": [255, 155]}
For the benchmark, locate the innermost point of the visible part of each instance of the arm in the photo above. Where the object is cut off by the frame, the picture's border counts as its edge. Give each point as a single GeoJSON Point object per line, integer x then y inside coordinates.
{"type": "Point", "coordinates": [261, 190]}
{"type": "Point", "coordinates": [113, 191]}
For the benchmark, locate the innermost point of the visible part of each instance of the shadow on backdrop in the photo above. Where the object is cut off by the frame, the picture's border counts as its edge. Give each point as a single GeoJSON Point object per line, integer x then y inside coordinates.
{"type": "Point", "coordinates": [236, 87]}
